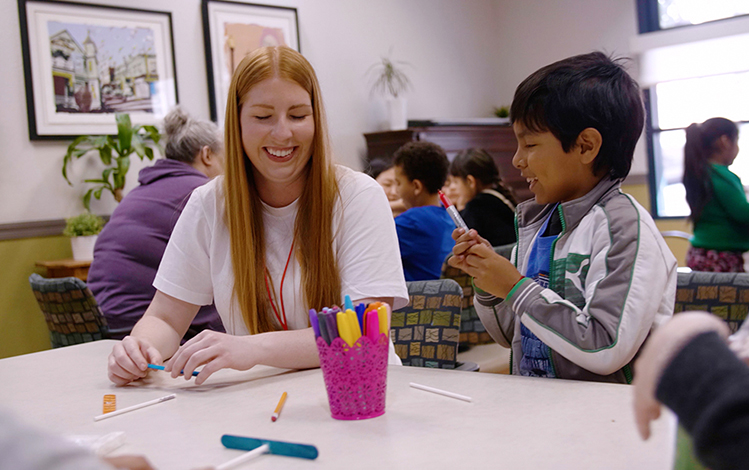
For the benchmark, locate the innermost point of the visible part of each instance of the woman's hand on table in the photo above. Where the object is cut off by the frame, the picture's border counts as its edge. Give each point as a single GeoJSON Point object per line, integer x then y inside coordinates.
{"type": "Point", "coordinates": [214, 351]}
{"type": "Point", "coordinates": [129, 360]}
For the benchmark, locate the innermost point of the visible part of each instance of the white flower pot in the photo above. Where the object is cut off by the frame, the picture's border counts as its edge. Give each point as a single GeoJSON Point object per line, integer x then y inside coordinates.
{"type": "Point", "coordinates": [397, 113]}
{"type": "Point", "coordinates": [83, 247]}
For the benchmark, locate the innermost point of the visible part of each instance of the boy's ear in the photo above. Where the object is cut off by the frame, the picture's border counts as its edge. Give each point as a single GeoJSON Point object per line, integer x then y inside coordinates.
{"type": "Point", "coordinates": [589, 144]}
{"type": "Point", "coordinates": [418, 187]}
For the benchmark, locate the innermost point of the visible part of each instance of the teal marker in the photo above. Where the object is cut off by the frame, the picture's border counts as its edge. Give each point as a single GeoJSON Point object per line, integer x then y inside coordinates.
{"type": "Point", "coordinates": [154, 366]}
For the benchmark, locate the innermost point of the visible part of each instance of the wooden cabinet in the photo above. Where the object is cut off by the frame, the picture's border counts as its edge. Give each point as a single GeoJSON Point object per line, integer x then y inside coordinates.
{"type": "Point", "coordinates": [66, 268]}
{"type": "Point", "coordinates": [498, 140]}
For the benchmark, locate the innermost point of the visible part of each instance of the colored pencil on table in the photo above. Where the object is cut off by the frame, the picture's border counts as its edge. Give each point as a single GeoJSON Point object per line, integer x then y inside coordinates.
{"type": "Point", "coordinates": [278, 407]}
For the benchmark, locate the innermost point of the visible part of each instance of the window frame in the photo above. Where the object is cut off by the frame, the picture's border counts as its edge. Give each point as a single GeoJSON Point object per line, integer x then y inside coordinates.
{"type": "Point", "coordinates": [648, 22]}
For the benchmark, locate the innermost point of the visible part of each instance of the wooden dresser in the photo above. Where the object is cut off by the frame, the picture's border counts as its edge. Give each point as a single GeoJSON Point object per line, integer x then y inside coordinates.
{"type": "Point", "coordinates": [498, 140]}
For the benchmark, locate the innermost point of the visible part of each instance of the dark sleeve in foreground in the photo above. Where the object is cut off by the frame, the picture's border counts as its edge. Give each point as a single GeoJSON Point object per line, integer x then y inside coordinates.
{"type": "Point", "coordinates": [707, 387]}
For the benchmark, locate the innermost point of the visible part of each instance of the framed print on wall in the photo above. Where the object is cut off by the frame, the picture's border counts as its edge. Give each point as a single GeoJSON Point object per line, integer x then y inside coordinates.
{"type": "Point", "coordinates": [83, 63]}
{"type": "Point", "coordinates": [232, 31]}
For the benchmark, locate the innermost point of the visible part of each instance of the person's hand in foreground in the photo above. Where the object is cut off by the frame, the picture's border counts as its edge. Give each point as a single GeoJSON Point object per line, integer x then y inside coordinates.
{"type": "Point", "coordinates": [129, 462]}
{"type": "Point", "coordinates": [662, 346]}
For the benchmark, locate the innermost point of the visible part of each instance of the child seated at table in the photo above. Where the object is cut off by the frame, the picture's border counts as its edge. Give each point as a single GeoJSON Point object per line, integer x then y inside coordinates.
{"type": "Point", "coordinates": [383, 172]}
{"type": "Point", "coordinates": [424, 228]}
{"type": "Point", "coordinates": [590, 275]}
{"type": "Point", "coordinates": [489, 205]}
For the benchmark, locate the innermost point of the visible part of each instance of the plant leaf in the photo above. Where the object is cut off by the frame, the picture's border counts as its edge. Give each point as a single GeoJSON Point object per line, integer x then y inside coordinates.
{"type": "Point", "coordinates": [124, 132]}
{"type": "Point", "coordinates": [87, 199]}
{"type": "Point", "coordinates": [105, 153]}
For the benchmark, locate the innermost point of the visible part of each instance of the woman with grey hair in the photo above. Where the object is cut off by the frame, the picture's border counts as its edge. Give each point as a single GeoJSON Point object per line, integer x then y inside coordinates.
{"type": "Point", "coordinates": [129, 249]}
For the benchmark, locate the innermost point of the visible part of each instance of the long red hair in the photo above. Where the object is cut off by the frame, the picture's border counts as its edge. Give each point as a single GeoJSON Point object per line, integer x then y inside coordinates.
{"type": "Point", "coordinates": [313, 233]}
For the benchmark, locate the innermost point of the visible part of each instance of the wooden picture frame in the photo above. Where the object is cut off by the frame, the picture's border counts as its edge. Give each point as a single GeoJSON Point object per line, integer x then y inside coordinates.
{"type": "Point", "coordinates": [231, 31]}
{"type": "Point", "coordinates": [84, 62]}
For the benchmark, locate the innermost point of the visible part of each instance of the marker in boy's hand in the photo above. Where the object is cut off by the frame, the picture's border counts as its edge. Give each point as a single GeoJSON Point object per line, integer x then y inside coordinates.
{"type": "Point", "coordinates": [491, 272]}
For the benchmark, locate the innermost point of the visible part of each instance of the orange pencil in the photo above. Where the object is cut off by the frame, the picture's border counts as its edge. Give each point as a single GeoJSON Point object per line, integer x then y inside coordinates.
{"type": "Point", "coordinates": [278, 408]}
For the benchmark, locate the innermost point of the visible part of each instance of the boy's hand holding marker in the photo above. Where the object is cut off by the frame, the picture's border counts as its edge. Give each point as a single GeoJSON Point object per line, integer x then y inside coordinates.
{"type": "Point", "coordinates": [475, 256]}
{"type": "Point", "coordinates": [491, 272]}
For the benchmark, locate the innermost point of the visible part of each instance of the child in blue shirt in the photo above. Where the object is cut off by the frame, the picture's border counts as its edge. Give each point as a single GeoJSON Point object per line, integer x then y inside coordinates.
{"type": "Point", "coordinates": [590, 275]}
{"type": "Point", "coordinates": [424, 229]}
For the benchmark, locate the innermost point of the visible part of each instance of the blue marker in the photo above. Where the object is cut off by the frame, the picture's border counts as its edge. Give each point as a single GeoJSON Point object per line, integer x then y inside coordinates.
{"type": "Point", "coordinates": [347, 303]}
{"type": "Point", "coordinates": [360, 315]}
{"type": "Point", "coordinates": [154, 366]}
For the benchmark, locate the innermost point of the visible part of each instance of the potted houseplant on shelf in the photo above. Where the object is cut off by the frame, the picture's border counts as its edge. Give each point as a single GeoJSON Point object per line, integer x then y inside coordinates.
{"type": "Point", "coordinates": [83, 230]}
{"type": "Point", "coordinates": [391, 80]}
{"type": "Point", "coordinates": [114, 151]}
{"type": "Point", "coordinates": [503, 113]}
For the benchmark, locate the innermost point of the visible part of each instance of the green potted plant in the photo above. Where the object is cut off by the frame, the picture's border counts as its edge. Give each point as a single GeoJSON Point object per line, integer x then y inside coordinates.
{"type": "Point", "coordinates": [114, 151]}
{"type": "Point", "coordinates": [83, 230]}
{"type": "Point", "coordinates": [503, 112]}
{"type": "Point", "coordinates": [390, 79]}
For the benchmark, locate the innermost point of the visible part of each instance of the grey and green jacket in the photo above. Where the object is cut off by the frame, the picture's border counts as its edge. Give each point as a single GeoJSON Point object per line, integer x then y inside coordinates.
{"type": "Point", "coordinates": [612, 279]}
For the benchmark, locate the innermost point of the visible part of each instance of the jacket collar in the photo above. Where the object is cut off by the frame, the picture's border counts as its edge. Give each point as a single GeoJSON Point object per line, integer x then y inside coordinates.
{"type": "Point", "coordinates": [529, 213]}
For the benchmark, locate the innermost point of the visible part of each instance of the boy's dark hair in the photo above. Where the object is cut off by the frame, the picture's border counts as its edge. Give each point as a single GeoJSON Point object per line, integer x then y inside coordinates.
{"type": "Point", "coordinates": [587, 90]}
{"type": "Point", "coordinates": [423, 161]}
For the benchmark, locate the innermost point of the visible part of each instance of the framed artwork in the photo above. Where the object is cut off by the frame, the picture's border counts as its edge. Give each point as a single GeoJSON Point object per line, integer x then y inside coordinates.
{"type": "Point", "coordinates": [83, 63]}
{"type": "Point", "coordinates": [232, 31]}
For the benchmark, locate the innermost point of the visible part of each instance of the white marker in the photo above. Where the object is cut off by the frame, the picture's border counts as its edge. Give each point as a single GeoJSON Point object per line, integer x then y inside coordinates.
{"type": "Point", "coordinates": [244, 457]}
{"type": "Point", "coordinates": [135, 407]}
{"type": "Point", "coordinates": [440, 392]}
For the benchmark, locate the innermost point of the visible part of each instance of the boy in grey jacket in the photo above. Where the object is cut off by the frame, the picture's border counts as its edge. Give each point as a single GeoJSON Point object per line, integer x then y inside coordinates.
{"type": "Point", "coordinates": [590, 275]}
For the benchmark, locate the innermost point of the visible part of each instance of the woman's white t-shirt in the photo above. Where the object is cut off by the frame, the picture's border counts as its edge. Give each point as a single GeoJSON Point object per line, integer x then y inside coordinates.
{"type": "Point", "coordinates": [197, 267]}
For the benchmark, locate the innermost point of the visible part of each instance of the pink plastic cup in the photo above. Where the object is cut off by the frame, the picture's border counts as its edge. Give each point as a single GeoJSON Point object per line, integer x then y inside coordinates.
{"type": "Point", "coordinates": [355, 376]}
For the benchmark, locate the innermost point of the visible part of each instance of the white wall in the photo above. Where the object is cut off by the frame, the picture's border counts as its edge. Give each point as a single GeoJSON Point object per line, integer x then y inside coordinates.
{"type": "Point", "coordinates": [534, 33]}
{"type": "Point", "coordinates": [465, 58]}
{"type": "Point", "coordinates": [446, 43]}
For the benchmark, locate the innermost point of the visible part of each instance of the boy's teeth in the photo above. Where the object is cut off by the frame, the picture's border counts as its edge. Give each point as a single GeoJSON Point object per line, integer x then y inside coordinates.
{"type": "Point", "coordinates": [279, 153]}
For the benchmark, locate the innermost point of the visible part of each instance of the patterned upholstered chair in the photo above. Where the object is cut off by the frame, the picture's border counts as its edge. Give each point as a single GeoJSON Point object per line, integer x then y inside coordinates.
{"type": "Point", "coordinates": [425, 332]}
{"type": "Point", "coordinates": [72, 314]}
{"type": "Point", "coordinates": [723, 294]}
{"type": "Point", "coordinates": [471, 330]}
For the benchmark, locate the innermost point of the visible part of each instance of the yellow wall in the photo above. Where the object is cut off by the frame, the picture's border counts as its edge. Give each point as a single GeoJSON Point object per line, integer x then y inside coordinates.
{"type": "Point", "coordinates": [22, 327]}
{"type": "Point", "coordinates": [678, 246]}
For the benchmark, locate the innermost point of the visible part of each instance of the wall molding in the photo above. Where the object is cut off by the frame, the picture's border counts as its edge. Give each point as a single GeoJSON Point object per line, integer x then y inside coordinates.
{"type": "Point", "coordinates": [42, 228]}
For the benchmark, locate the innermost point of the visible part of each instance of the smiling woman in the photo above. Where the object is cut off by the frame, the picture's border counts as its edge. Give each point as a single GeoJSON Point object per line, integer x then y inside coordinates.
{"type": "Point", "coordinates": [284, 231]}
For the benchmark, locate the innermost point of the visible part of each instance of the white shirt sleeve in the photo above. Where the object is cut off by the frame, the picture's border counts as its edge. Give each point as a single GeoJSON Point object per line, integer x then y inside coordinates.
{"type": "Point", "coordinates": [185, 270]}
{"type": "Point", "coordinates": [367, 243]}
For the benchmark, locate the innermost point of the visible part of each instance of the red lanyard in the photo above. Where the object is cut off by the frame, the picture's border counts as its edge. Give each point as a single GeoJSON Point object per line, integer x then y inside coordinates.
{"type": "Point", "coordinates": [283, 322]}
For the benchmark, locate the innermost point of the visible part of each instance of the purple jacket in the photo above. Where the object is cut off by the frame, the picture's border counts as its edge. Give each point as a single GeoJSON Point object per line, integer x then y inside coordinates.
{"type": "Point", "coordinates": [129, 249]}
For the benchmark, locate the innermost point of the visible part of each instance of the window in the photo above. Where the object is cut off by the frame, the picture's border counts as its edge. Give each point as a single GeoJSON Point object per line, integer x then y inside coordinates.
{"type": "Point", "coordinates": [691, 74]}
{"type": "Point", "coordinates": [673, 13]}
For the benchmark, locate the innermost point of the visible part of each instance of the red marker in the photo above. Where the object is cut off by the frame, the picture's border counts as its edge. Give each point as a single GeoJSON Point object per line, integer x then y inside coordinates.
{"type": "Point", "coordinates": [453, 212]}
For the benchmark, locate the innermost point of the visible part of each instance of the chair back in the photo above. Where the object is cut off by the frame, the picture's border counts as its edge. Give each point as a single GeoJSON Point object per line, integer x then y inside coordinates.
{"type": "Point", "coordinates": [425, 332]}
{"type": "Point", "coordinates": [72, 314]}
{"type": "Point", "coordinates": [472, 331]}
{"type": "Point", "coordinates": [723, 294]}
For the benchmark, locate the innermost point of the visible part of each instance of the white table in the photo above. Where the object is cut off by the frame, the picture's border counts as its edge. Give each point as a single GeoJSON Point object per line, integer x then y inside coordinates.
{"type": "Point", "coordinates": [512, 423]}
